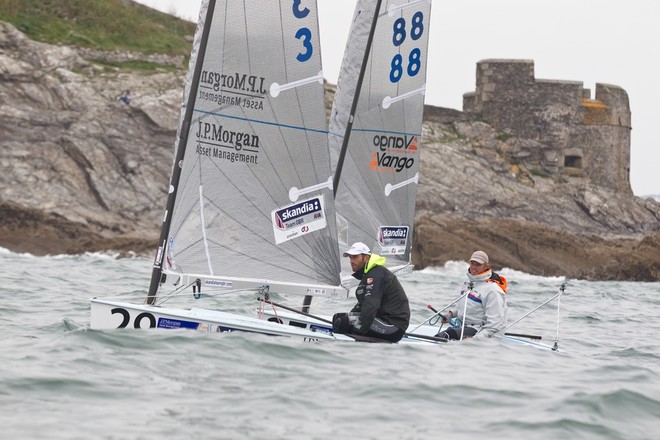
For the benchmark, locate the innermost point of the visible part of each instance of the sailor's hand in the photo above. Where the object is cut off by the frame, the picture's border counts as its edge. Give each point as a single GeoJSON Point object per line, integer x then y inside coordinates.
{"type": "Point", "coordinates": [340, 323]}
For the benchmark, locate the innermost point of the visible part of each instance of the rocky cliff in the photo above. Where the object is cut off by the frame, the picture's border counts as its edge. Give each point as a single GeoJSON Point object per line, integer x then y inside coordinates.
{"type": "Point", "coordinates": [81, 171]}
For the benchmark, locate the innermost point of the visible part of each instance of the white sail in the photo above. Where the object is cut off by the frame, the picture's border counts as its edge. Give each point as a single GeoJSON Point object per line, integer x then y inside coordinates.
{"type": "Point", "coordinates": [254, 201]}
{"type": "Point", "coordinates": [377, 187]}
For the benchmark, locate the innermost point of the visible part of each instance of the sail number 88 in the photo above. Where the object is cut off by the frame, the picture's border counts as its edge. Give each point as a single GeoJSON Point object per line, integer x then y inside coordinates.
{"type": "Point", "coordinates": [399, 35]}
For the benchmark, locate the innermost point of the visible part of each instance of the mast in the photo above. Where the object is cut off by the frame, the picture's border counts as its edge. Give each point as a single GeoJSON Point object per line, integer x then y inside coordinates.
{"type": "Point", "coordinates": [157, 271]}
{"type": "Point", "coordinates": [307, 300]}
{"type": "Point", "coordinates": [356, 97]}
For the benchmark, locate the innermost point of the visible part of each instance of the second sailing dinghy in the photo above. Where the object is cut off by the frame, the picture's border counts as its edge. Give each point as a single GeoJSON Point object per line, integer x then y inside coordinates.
{"type": "Point", "coordinates": [376, 128]}
{"type": "Point", "coordinates": [375, 132]}
{"type": "Point", "coordinates": [374, 138]}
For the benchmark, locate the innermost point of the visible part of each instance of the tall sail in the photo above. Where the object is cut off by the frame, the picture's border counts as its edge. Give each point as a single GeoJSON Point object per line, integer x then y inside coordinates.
{"type": "Point", "coordinates": [375, 198]}
{"type": "Point", "coordinates": [254, 201]}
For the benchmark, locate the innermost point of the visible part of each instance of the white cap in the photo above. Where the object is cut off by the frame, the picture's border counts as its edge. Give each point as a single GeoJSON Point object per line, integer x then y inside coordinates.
{"type": "Point", "coordinates": [479, 257]}
{"type": "Point", "coordinates": [357, 249]}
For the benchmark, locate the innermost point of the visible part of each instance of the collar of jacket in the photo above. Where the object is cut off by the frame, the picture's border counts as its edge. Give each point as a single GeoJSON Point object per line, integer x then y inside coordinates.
{"type": "Point", "coordinates": [483, 276]}
{"type": "Point", "coordinates": [374, 260]}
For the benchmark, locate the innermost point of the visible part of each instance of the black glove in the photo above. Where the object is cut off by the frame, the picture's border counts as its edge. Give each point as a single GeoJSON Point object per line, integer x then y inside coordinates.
{"type": "Point", "coordinates": [340, 323]}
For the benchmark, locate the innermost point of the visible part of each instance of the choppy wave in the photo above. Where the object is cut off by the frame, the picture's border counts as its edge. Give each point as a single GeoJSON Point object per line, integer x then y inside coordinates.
{"type": "Point", "coordinates": [61, 380]}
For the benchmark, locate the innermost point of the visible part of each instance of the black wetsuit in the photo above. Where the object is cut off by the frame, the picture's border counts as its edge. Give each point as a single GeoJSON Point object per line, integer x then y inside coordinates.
{"type": "Point", "coordinates": [382, 310]}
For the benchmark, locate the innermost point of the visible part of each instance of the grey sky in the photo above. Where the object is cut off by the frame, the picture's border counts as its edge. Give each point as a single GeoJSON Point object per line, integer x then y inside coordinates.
{"type": "Point", "coordinates": [593, 41]}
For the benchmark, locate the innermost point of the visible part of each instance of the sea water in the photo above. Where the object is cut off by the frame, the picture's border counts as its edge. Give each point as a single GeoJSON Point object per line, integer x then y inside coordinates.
{"type": "Point", "coordinates": [61, 380]}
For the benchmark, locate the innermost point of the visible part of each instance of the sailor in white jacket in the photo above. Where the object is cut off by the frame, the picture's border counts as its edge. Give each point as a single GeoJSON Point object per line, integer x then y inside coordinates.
{"type": "Point", "coordinates": [485, 313]}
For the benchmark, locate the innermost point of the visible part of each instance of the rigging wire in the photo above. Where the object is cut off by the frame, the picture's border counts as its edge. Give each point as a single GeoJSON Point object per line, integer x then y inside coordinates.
{"type": "Point", "coordinates": [470, 286]}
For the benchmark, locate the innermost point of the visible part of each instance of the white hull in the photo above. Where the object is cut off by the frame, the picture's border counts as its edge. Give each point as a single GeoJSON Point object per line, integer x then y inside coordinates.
{"type": "Point", "coordinates": [424, 331]}
{"type": "Point", "coordinates": [107, 315]}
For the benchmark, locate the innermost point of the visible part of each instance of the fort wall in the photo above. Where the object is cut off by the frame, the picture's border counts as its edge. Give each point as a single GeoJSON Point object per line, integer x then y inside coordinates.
{"type": "Point", "coordinates": [574, 136]}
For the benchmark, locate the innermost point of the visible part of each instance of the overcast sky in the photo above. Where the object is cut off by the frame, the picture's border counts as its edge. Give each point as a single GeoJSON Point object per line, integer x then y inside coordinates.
{"type": "Point", "coordinates": [593, 41]}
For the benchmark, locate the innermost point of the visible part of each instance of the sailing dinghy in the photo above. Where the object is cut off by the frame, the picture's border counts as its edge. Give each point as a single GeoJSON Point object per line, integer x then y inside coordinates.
{"type": "Point", "coordinates": [262, 196]}
{"type": "Point", "coordinates": [375, 130]}
{"type": "Point", "coordinates": [374, 138]}
{"type": "Point", "coordinates": [251, 199]}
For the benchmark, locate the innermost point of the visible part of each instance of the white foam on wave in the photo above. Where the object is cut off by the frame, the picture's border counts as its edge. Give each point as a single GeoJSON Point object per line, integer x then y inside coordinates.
{"type": "Point", "coordinates": [450, 268]}
{"type": "Point", "coordinates": [5, 251]}
{"type": "Point", "coordinates": [459, 268]}
{"type": "Point", "coordinates": [105, 255]}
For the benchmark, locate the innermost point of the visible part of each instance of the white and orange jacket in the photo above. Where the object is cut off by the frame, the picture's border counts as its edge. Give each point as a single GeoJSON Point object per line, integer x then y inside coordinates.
{"type": "Point", "coordinates": [486, 304]}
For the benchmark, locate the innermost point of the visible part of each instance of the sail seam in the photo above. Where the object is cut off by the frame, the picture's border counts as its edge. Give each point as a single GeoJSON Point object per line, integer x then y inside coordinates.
{"type": "Point", "coordinates": [314, 130]}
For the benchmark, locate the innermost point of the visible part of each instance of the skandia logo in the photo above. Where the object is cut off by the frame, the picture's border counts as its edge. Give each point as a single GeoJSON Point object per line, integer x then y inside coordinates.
{"type": "Point", "coordinates": [395, 232]}
{"type": "Point", "coordinates": [294, 212]}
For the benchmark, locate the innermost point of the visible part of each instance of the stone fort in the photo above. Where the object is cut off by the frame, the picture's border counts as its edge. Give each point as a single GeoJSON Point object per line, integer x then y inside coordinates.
{"type": "Point", "coordinates": [561, 131]}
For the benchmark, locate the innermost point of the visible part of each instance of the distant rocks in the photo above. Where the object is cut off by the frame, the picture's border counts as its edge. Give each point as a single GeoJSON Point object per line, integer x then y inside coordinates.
{"type": "Point", "coordinates": [74, 159]}
{"type": "Point", "coordinates": [81, 171]}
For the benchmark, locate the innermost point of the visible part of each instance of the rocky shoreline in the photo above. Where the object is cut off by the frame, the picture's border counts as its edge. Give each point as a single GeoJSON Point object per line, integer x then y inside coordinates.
{"type": "Point", "coordinates": [81, 172]}
{"type": "Point", "coordinates": [537, 249]}
{"type": "Point", "coordinates": [525, 246]}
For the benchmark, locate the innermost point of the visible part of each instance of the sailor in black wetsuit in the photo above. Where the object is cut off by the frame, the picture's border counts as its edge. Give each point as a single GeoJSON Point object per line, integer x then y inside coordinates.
{"type": "Point", "coordinates": [382, 310]}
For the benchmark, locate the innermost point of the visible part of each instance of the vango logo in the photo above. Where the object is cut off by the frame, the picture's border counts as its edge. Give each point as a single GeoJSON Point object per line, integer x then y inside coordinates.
{"type": "Point", "coordinates": [384, 143]}
{"type": "Point", "coordinates": [394, 153]}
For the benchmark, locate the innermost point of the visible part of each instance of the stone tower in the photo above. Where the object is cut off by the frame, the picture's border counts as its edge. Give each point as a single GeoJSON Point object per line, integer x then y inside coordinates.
{"type": "Point", "coordinates": [582, 139]}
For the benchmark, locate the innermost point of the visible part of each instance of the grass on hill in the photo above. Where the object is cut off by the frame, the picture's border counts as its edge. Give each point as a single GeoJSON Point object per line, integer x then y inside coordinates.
{"type": "Point", "coordinates": [99, 24]}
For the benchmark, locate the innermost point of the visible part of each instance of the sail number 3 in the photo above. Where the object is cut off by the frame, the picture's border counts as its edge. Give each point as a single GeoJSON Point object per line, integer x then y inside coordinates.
{"type": "Point", "coordinates": [303, 34]}
{"type": "Point", "coordinates": [400, 35]}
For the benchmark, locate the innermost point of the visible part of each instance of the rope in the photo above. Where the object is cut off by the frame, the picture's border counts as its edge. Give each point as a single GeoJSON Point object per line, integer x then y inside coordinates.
{"type": "Point", "coordinates": [174, 293]}
{"type": "Point", "coordinates": [275, 312]}
{"type": "Point", "coordinates": [197, 294]}
{"type": "Point", "coordinates": [561, 290]}
{"type": "Point", "coordinates": [438, 313]}
{"type": "Point", "coordinates": [263, 290]}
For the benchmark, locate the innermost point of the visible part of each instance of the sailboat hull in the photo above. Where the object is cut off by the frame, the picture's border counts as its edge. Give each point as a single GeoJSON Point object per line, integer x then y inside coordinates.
{"type": "Point", "coordinates": [107, 314]}
{"type": "Point", "coordinates": [423, 331]}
